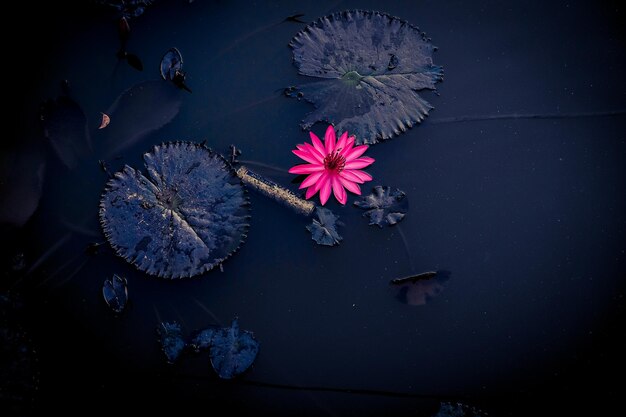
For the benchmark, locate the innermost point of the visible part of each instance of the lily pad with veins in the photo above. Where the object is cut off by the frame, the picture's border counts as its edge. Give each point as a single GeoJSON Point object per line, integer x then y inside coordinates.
{"type": "Point", "coordinates": [369, 67]}
{"type": "Point", "coordinates": [385, 206]}
{"type": "Point", "coordinates": [185, 217]}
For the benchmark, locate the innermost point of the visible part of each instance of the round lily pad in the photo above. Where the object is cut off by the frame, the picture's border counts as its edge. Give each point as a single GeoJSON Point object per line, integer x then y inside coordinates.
{"type": "Point", "coordinates": [185, 217]}
{"type": "Point", "coordinates": [369, 67]}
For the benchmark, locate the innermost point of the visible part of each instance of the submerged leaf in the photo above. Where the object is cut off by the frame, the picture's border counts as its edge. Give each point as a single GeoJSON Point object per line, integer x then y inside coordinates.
{"type": "Point", "coordinates": [171, 340]}
{"type": "Point", "coordinates": [115, 293]}
{"type": "Point", "coordinates": [65, 127]}
{"type": "Point", "coordinates": [459, 410]}
{"type": "Point", "coordinates": [186, 217]}
{"type": "Point", "coordinates": [232, 352]}
{"type": "Point", "coordinates": [21, 181]}
{"type": "Point", "coordinates": [385, 206]}
{"type": "Point", "coordinates": [324, 228]}
{"type": "Point", "coordinates": [139, 111]}
{"type": "Point", "coordinates": [371, 66]}
{"type": "Point", "coordinates": [419, 289]}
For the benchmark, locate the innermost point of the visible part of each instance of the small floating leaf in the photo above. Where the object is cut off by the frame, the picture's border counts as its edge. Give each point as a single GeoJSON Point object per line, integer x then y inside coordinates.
{"type": "Point", "coordinates": [171, 62]}
{"type": "Point", "coordinates": [233, 351]}
{"type": "Point", "coordinates": [370, 66]}
{"type": "Point", "coordinates": [185, 218]}
{"type": "Point", "coordinates": [386, 206]}
{"type": "Point", "coordinates": [171, 340]}
{"type": "Point", "coordinates": [115, 292]}
{"type": "Point", "coordinates": [202, 339]}
{"type": "Point", "coordinates": [324, 228]}
{"type": "Point", "coordinates": [134, 61]}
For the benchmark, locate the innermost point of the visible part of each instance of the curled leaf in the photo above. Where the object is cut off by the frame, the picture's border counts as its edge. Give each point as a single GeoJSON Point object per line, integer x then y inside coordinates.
{"type": "Point", "coordinates": [115, 293]}
{"type": "Point", "coordinates": [105, 121]}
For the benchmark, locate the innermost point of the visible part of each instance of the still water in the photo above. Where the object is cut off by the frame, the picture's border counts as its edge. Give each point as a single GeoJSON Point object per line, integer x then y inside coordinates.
{"type": "Point", "coordinates": [523, 204]}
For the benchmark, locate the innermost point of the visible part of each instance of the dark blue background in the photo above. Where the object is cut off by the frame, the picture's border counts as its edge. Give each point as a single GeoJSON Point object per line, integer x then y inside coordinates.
{"type": "Point", "coordinates": [528, 214]}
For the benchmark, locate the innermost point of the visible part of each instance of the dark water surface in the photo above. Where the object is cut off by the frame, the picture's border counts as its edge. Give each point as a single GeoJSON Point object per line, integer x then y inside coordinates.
{"type": "Point", "coordinates": [527, 213]}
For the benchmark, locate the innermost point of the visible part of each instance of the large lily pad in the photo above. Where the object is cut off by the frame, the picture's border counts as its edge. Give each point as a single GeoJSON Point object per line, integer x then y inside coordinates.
{"type": "Point", "coordinates": [371, 66]}
{"type": "Point", "coordinates": [385, 206]}
{"type": "Point", "coordinates": [187, 216]}
{"type": "Point", "coordinates": [232, 351]}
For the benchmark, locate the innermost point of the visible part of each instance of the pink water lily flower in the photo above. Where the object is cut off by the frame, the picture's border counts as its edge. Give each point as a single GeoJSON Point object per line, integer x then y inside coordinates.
{"type": "Point", "coordinates": [333, 165]}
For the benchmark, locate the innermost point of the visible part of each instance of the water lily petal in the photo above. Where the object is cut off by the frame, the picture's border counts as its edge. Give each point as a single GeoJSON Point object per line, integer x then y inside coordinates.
{"type": "Point", "coordinates": [306, 156]}
{"type": "Point", "coordinates": [359, 163]}
{"type": "Point", "coordinates": [311, 179]}
{"type": "Point", "coordinates": [338, 190]}
{"type": "Point", "coordinates": [329, 139]}
{"type": "Point", "coordinates": [313, 151]}
{"type": "Point", "coordinates": [310, 192]}
{"type": "Point", "coordinates": [305, 169]}
{"type": "Point", "coordinates": [348, 174]}
{"type": "Point", "coordinates": [317, 143]}
{"type": "Point", "coordinates": [350, 186]}
{"type": "Point", "coordinates": [363, 176]}
{"type": "Point", "coordinates": [348, 146]}
{"type": "Point", "coordinates": [325, 190]}
{"type": "Point", "coordinates": [341, 143]}
{"type": "Point", "coordinates": [356, 152]}
{"type": "Point", "coordinates": [320, 181]}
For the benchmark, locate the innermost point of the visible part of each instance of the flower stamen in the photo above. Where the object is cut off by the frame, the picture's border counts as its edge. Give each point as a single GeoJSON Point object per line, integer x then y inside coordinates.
{"type": "Point", "coordinates": [334, 162]}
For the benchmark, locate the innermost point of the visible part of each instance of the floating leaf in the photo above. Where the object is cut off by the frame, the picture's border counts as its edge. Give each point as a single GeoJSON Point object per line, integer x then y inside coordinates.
{"type": "Point", "coordinates": [65, 127]}
{"type": "Point", "coordinates": [371, 65]}
{"type": "Point", "coordinates": [171, 62]}
{"type": "Point", "coordinates": [385, 206]}
{"type": "Point", "coordinates": [202, 339]}
{"type": "Point", "coordinates": [324, 228]}
{"type": "Point", "coordinates": [115, 293]}
{"type": "Point", "coordinates": [186, 217]}
{"type": "Point", "coordinates": [172, 68]}
{"type": "Point", "coordinates": [171, 340]}
{"type": "Point", "coordinates": [419, 289]}
{"type": "Point", "coordinates": [139, 111]}
{"type": "Point", "coordinates": [232, 352]}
